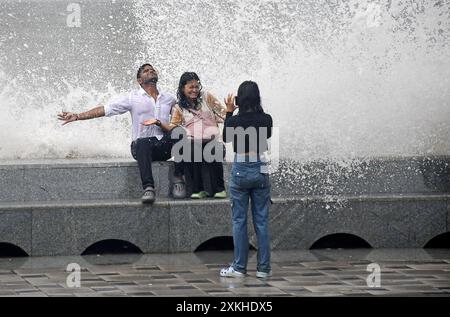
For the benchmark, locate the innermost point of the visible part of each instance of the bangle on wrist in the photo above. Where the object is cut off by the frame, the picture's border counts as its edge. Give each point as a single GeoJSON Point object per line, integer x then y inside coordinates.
{"type": "Point", "coordinates": [158, 123]}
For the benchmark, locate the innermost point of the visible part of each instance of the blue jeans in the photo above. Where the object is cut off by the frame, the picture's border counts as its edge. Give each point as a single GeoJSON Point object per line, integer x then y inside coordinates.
{"type": "Point", "coordinates": [247, 182]}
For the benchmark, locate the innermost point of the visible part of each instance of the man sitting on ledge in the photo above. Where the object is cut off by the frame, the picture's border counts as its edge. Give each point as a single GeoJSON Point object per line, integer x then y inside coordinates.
{"type": "Point", "coordinates": [149, 143]}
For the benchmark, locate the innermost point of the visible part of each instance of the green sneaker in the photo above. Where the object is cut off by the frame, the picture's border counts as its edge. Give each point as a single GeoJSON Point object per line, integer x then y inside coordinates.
{"type": "Point", "coordinates": [199, 195]}
{"type": "Point", "coordinates": [222, 194]}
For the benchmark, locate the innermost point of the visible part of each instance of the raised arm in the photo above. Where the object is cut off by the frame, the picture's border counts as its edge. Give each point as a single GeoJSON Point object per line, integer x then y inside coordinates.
{"type": "Point", "coordinates": [68, 117]}
{"type": "Point", "coordinates": [217, 107]}
{"type": "Point", "coordinates": [229, 102]}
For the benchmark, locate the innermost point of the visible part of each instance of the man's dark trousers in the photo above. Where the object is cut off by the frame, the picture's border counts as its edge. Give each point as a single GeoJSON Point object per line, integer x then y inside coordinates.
{"type": "Point", "coordinates": [150, 150]}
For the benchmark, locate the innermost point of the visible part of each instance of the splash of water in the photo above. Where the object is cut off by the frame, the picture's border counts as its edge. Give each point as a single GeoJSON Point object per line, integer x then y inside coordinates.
{"type": "Point", "coordinates": [32, 134]}
{"type": "Point", "coordinates": [343, 80]}
{"type": "Point", "coordinates": [47, 67]}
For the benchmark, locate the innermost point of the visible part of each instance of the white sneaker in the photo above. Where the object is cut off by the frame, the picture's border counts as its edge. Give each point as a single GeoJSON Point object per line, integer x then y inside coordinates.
{"type": "Point", "coordinates": [264, 274]}
{"type": "Point", "coordinates": [230, 272]}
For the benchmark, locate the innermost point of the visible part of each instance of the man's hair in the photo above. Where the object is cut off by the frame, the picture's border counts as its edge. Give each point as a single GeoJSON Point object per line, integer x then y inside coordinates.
{"type": "Point", "coordinates": [141, 69]}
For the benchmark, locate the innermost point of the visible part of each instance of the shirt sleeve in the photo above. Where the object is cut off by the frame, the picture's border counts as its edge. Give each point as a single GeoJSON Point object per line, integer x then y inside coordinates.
{"type": "Point", "coordinates": [118, 106]}
{"type": "Point", "coordinates": [176, 117]}
{"type": "Point", "coordinates": [173, 100]}
{"type": "Point", "coordinates": [217, 107]}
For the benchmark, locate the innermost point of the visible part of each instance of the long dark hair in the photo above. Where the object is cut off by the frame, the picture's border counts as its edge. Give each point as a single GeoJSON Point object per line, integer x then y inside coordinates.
{"type": "Point", "coordinates": [248, 98]}
{"type": "Point", "coordinates": [182, 100]}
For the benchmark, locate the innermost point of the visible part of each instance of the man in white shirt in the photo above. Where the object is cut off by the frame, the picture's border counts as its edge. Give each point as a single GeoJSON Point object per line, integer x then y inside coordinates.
{"type": "Point", "coordinates": [148, 143]}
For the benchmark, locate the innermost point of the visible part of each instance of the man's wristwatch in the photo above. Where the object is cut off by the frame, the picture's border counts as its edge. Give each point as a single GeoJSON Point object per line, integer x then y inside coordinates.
{"type": "Point", "coordinates": [158, 123]}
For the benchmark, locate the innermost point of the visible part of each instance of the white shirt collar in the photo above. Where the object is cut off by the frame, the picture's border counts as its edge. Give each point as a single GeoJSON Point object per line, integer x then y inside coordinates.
{"type": "Point", "coordinates": [143, 92]}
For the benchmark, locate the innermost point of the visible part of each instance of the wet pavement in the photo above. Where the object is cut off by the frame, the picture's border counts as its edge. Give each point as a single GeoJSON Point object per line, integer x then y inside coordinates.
{"type": "Point", "coordinates": [403, 272]}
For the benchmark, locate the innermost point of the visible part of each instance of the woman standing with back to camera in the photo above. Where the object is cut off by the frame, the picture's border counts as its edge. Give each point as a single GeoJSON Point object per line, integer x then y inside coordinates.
{"type": "Point", "coordinates": [249, 177]}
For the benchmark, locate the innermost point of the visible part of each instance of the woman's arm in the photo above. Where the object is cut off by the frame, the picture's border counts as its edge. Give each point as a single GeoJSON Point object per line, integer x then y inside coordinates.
{"type": "Point", "coordinates": [217, 107]}
{"type": "Point", "coordinates": [177, 118]}
{"type": "Point", "coordinates": [229, 101]}
{"type": "Point", "coordinates": [269, 126]}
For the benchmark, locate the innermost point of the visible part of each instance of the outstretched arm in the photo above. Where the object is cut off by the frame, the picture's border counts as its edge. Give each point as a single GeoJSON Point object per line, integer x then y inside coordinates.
{"type": "Point", "coordinates": [68, 117]}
